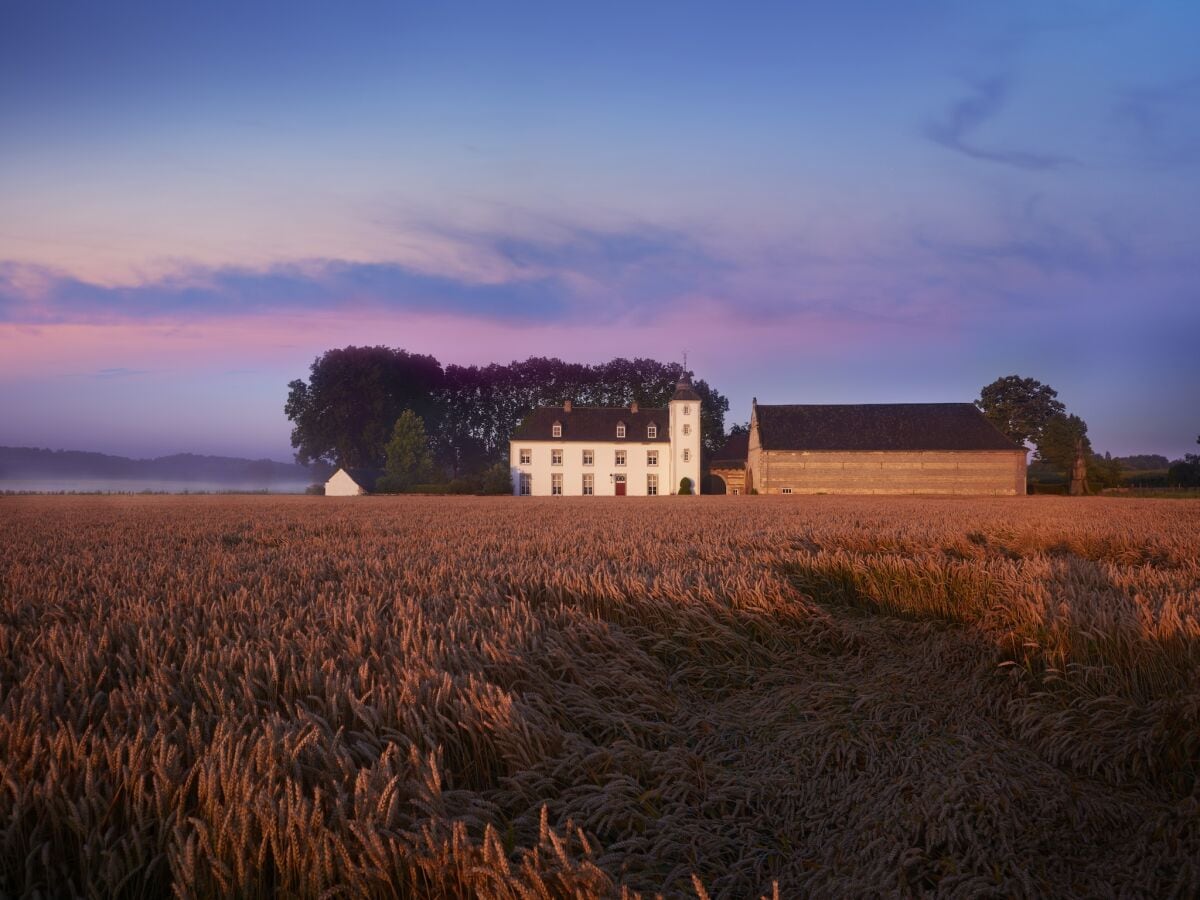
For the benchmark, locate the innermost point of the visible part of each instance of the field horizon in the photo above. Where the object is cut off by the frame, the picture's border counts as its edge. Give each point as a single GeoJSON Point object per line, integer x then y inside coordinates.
{"type": "Point", "coordinates": [726, 697]}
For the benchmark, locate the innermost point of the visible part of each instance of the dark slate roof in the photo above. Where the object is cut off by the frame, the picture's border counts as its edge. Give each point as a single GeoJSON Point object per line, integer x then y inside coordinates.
{"type": "Point", "coordinates": [733, 454]}
{"type": "Point", "coordinates": [364, 478]}
{"type": "Point", "coordinates": [879, 426]}
{"type": "Point", "coordinates": [684, 390]}
{"type": "Point", "coordinates": [593, 423]}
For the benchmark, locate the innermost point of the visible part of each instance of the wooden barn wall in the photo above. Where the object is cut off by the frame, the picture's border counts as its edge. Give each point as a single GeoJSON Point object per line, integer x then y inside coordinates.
{"type": "Point", "coordinates": [929, 472]}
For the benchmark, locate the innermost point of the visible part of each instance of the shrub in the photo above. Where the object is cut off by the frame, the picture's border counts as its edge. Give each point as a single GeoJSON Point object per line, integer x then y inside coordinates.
{"type": "Point", "coordinates": [685, 485]}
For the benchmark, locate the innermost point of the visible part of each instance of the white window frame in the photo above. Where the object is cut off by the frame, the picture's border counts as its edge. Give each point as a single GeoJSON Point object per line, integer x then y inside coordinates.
{"type": "Point", "coordinates": [556, 457]}
{"type": "Point", "coordinates": [652, 485]}
{"type": "Point", "coordinates": [589, 457]}
{"type": "Point", "coordinates": [619, 457]}
{"type": "Point", "coordinates": [525, 456]}
{"type": "Point", "coordinates": [556, 431]}
{"type": "Point", "coordinates": [556, 484]}
{"type": "Point", "coordinates": [589, 484]}
{"type": "Point", "coordinates": [652, 457]}
{"type": "Point", "coordinates": [525, 485]}
{"type": "Point", "coordinates": [620, 431]}
{"type": "Point", "coordinates": [652, 432]}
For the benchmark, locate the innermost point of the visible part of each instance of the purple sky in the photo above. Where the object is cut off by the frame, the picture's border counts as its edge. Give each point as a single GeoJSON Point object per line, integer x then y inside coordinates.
{"type": "Point", "coordinates": [886, 202]}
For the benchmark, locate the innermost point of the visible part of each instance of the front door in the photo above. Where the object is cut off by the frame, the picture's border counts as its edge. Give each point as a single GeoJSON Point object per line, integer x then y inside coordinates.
{"type": "Point", "coordinates": [619, 480]}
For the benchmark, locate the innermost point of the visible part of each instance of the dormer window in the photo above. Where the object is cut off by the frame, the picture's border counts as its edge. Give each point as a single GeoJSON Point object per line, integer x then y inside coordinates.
{"type": "Point", "coordinates": [621, 430]}
{"type": "Point", "coordinates": [651, 431]}
{"type": "Point", "coordinates": [556, 430]}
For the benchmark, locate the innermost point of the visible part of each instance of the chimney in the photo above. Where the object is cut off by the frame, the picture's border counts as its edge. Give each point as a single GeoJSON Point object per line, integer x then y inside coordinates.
{"type": "Point", "coordinates": [567, 406]}
{"type": "Point", "coordinates": [633, 407]}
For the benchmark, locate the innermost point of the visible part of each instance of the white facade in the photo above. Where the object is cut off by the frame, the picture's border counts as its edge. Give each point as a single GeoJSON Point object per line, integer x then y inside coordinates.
{"type": "Point", "coordinates": [641, 461]}
{"type": "Point", "coordinates": [545, 465]}
{"type": "Point", "coordinates": [685, 443]}
{"type": "Point", "coordinates": [340, 484]}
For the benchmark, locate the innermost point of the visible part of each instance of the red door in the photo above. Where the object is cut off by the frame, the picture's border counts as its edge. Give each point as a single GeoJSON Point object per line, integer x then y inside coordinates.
{"type": "Point", "coordinates": [621, 486]}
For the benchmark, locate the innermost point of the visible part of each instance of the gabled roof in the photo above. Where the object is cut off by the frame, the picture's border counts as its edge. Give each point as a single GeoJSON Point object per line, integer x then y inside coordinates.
{"type": "Point", "coordinates": [364, 478]}
{"type": "Point", "coordinates": [593, 423]}
{"type": "Point", "coordinates": [879, 426]}
{"type": "Point", "coordinates": [733, 454]}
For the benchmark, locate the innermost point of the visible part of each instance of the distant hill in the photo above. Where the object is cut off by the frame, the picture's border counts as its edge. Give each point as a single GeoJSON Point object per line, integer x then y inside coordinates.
{"type": "Point", "coordinates": [22, 463]}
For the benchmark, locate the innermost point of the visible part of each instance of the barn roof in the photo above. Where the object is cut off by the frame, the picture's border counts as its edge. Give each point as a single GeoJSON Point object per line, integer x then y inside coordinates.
{"type": "Point", "coordinates": [364, 478]}
{"type": "Point", "coordinates": [733, 454]}
{"type": "Point", "coordinates": [879, 426]}
{"type": "Point", "coordinates": [593, 423]}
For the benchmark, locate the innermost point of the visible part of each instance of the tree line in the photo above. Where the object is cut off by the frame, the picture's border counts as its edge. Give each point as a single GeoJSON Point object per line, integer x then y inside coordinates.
{"type": "Point", "coordinates": [1029, 412]}
{"type": "Point", "coordinates": [346, 413]}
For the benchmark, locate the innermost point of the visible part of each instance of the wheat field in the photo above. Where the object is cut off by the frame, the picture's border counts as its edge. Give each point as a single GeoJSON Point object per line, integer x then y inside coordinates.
{"type": "Point", "coordinates": [725, 697]}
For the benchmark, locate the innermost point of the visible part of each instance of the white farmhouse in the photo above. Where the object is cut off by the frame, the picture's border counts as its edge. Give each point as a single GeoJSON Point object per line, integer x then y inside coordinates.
{"type": "Point", "coordinates": [608, 451]}
{"type": "Point", "coordinates": [352, 482]}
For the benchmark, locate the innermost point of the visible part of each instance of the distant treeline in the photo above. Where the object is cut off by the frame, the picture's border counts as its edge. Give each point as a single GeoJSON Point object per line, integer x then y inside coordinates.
{"type": "Point", "coordinates": [345, 412]}
{"type": "Point", "coordinates": [1145, 462]}
{"type": "Point", "coordinates": [33, 462]}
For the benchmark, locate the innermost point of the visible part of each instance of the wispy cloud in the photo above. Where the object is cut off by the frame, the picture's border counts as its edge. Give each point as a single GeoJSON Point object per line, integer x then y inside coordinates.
{"type": "Point", "coordinates": [557, 275]}
{"type": "Point", "coordinates": [955, 130]}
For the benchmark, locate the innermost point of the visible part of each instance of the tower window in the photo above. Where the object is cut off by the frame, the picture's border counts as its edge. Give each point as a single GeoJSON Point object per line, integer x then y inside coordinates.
{"type": "Point", "coordinates": [687, 429]}
{"type": "Point", "coordinates": [687, 409]}
{"type": "Point", "coordinates": [687, 455]}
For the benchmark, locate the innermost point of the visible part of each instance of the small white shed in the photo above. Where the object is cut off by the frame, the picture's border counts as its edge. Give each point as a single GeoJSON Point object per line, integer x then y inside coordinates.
{"type": "Point", "coordinates": [352, 482]}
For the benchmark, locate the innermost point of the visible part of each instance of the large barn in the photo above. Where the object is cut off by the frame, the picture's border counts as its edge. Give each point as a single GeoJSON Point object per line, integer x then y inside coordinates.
{"type": "Point", "coordinates": [892, 448]}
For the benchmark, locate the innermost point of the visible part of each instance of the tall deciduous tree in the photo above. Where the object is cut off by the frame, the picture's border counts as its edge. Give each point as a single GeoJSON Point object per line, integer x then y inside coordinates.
{"type": "Point", "coordinates": [345, 412]}
{"type": "Point", "coordinates": [1020, 407]}
{"type": "Point", "coordinates": [409, 460]}
{"type": "Point", "coordinates": [1064, 443]}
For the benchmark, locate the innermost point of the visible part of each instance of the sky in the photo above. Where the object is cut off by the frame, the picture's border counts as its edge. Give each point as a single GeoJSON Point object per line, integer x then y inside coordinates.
{"type": "Point", "coordinates": [820, 203]}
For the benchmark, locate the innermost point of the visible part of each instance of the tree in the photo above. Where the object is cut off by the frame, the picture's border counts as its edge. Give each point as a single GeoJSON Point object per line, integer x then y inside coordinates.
{"type": "Point", "coordinates": [497, 479]}
{"type": "Point", "coordinates": [345, 412]}
{"type": "Point", "coordinates": [1020, 407]}
{"type": "Point", "coordinates": [409, 461]}
{"type": "Point", "coordinates": [1104, 471]}
{"type": "Point", "coordinates": [1064, 444]}
{"type": "Point", "coordinates": [1186, 472]}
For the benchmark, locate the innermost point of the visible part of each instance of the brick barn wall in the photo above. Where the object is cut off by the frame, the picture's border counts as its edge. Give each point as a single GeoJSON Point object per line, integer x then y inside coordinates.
{"type": "Point", "coordinates": [929, 472]}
